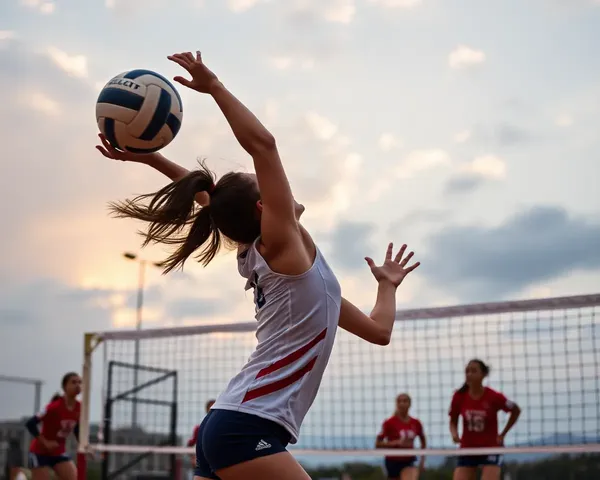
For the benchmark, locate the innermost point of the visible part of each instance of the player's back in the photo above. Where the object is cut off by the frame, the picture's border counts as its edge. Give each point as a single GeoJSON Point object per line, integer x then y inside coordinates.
{"type": "Point", "coordinates": [297, 321]}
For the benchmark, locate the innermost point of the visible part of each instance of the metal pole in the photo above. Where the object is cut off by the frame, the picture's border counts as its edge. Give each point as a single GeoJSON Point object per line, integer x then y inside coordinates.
{"type": "Point", "coordinates": [138, 326]}
{"type": "Point", "coordinates": [37, 402]}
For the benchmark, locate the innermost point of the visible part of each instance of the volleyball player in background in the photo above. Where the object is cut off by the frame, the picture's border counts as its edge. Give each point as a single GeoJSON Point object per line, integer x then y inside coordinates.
{"type": "Point", "coordinates": [297, 297]}
{"type": "Point", "coordinates": [400, 431]}
{"type": "Point", "coordinates": [478, 406]}
{"type": "Point", "coordinates": [194, 438]}
{"type": "Point", "coordinates": [59, 419]}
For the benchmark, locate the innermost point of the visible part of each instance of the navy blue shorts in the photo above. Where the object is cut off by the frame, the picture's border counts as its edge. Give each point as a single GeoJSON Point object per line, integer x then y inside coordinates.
{"type": "Point", "coordinates": [394, 467]}
{"type": "Point", "coordinates": [50, 461]}
{"type": "Point", "coordinates": [479, 460]}
{"type": "Point", "coordinates": [227, 438]}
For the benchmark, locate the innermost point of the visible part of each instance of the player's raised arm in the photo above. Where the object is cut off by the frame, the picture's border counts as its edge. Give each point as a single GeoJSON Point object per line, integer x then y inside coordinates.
{"type": "Point", "coordinates": [377, 327]}
{"type": "Point", "coordinates": [155, 160]}
{"type": "Point", "coordinates": [278, 206]}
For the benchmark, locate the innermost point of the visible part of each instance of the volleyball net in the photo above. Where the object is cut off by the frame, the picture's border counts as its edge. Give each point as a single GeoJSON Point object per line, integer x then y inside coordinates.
{"type": "Point", "coordinates": [149, 388]}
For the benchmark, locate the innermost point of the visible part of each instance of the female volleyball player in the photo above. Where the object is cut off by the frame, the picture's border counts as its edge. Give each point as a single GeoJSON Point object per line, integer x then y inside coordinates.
{"type": "Point", "coordinates": [297, 296]}
{"type": "Point", "coordinates": [59, 419]}
{"type": "Point", "coordinates": [400, 431]}
{"type": "Point", "coordinates": [194, 438]}
{"type": "Point", "coordinates": [479, 406]}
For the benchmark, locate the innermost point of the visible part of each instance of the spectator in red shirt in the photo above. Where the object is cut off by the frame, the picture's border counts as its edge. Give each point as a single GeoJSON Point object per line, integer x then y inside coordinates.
{"type": "Point", "coordinates": [192, 441]}
{"type": "Point", "coordinates": [59, 419]}
{"type": "Point", "coordinates": [399, 431]}
{"type": "Point", "coordinates": [479, 406]}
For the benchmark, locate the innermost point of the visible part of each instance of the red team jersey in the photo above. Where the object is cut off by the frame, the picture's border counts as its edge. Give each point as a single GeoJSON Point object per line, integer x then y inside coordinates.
{"type": "Point", "coordinates": [192, 441]}
{"type": "Point", "coordinates": [58, 423]}
{"type": "Point", "coordinates": [480, 417]}
{"type": "Point", "coordinates": [395, 429]}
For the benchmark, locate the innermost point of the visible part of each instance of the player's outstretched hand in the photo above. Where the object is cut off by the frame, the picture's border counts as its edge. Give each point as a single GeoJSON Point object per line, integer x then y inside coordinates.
{"type": "Point", "coordinates": [202, 78]}
{"type": "Point", "coordinates": [111, 152]}
{"type": "Point", "coordinates": [395, 270]}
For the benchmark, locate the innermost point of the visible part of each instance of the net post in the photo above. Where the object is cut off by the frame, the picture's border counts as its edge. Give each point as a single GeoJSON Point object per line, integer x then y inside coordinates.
{"type": "Point", "coordinates": [90, 341]}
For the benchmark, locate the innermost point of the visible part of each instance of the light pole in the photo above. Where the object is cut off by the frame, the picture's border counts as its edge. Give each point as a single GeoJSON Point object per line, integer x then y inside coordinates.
{"type": "Point", "coordinates": [138, 325]}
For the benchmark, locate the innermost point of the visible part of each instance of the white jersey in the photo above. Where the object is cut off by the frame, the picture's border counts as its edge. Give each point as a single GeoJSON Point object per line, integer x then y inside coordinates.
{"type": "Point", "coordinates": [297, 320]}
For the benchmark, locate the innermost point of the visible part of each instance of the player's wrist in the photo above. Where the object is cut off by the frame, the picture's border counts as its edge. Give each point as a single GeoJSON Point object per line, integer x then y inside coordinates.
{"type": "Point", "coordinates": [215, 87]}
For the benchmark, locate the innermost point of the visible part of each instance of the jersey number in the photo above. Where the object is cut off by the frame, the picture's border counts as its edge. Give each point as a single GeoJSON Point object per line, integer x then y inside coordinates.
{"type": "Point", "coordinates": [475, 423]}
{"type": "Point", "coordinates": [259, 296]}
{"type": "Point", "coordinates": [66, 427]}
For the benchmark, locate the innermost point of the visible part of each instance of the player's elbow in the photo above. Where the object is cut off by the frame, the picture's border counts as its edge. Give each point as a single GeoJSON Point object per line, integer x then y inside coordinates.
{"type": "Point", "coordinates": [516, 410]}
{"type": "Point", "coordinates": [382, 337]}
{"type": "Point", "coordinates": [261, 143]}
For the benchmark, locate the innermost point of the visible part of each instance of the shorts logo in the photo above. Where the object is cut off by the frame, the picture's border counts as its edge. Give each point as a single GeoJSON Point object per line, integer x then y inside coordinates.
{"type": "Point", "coordinates": [262, 445]}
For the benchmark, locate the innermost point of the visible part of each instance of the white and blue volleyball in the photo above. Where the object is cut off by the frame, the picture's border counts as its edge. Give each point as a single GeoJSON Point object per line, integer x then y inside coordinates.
{"type": "Point", "coordinates": [139, 111]}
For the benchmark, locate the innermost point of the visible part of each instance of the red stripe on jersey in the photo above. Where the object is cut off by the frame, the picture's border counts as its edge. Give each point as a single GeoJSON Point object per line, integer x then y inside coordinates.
{"type": "Point", "coordinates": [280, 384]}
{"type": "Point", "coordinates": [292, 357]}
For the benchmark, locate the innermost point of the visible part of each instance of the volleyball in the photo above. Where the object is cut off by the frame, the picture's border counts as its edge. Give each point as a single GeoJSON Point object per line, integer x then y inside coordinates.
{"type": "Point", "coordinates": [139, 111]}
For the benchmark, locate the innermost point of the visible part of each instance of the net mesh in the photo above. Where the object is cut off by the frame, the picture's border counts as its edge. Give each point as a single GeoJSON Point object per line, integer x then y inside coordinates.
{"type": "Point", "coordinates": [544, 355]}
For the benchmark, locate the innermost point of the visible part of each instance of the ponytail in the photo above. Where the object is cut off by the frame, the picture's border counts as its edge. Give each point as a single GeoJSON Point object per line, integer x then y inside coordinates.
{"type": "Point", "coordinates": [55, 397]}
{"type": "Point", "coordinates": [464, 388]}
{"type": "Point", "coordinates": [170, 211]}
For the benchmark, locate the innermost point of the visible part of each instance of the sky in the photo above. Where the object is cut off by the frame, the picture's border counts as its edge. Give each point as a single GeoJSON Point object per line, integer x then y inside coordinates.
{"type": "Point", "coordinates": [466, 129]}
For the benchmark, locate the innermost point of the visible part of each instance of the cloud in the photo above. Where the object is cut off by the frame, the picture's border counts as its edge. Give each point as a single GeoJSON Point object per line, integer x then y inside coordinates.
{"type": "Point", "coordinates": [475, 173]}
{"type": "Point", "coordinates": [396, 3]}
{"type": "Point", "coordinates": [45, 7]}
{"type": "Point", "coordinates": [388, 142]}
{"type": "Point", "coordinates": [283, 62]}
{"type": "Point", "coordinates": [508, 135]}
{"type": "Point", "coordinates": [462, 136]}
{"type": "Point", "coordinates": [49, 318]}
{"type": "Point", "coordinates": [564, 120]}
{"type": "Point", "coordinates": [73, 65]}
{"type": "Point", "coordinates": [541, 243]}
{"type": "Point", "coordinates": [240, 6]}
{"type": "Point", "coordinates": [7, 35]}
{"type": "Point", "coordinates": [41, 103]}
{"type": "Point", "coordinates": [421, 160]}
{"type": "Point", "coordinates": [309, 12]}
{"type": "Point", "coordinates": [464, 57]}
{"type": "Point", "coordinates": [350, 243]}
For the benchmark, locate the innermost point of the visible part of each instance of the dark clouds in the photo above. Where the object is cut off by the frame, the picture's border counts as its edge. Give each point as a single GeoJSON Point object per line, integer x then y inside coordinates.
{"type": "Point", "coordinates": [488, 263]}
{"type": "Point", "coordinates": [350, 243]}
{"type": "Point", "coordinates": [463, 184]}
{"type": "Point", "coordinates": [43, 323]}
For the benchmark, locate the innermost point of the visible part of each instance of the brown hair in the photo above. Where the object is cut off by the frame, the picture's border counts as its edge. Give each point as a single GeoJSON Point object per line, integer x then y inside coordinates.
{"type": "Point", "coordinates": [175, 219]}
{"type": "Point", "coordinates": [485, 369]}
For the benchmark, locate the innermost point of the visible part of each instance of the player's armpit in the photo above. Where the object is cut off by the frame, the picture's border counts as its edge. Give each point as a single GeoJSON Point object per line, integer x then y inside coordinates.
{"type": "Point", "coordinates": [356, 322]}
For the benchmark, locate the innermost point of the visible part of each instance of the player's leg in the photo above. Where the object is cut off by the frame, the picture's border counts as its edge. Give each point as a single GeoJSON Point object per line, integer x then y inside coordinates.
{"type": "Point", "coordinates": [465, 473]}
{"type": "Point", "coordinates": [40, 473]}
{"type": "Point", "coordinates": [240, 446]}
{"type": "Point", "coordinates": [491, 472]}
{"type": "Point", "coordinates": [65, 469]}
{"type": "Point", "coordinates": [37, 466]}
{"type": "Point", "coordinates": [392, 468]}
{"type": "Point", "coordinates": [409, 473]}
{"type": "Point", "coordinates": [282, 466]}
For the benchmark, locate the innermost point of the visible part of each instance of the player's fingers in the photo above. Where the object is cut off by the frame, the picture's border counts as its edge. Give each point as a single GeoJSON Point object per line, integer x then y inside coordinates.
{"type": "Point", "coordinates": [179, 61]}
{"type": "Point", "coordinates": [103, 151]}
{"type": "Point", "coordinates": [389, 251]}
{"type": "Point", "coordinates": [184, 81]}
{"type": "Point", "coordinates": [398, 256]}
{"type": "Point", "coordinates": [107, 144]}
{"type": "Point", "coordinates": [189, 57]}
{"type": "Point", "coordinates": [412, 267]}
{"type": "Point", "coordinates": [406, 259]}
{"type": "Point", "coordinates": [198, 56]}
{"type": "Point", "coordinates": [370, 262]}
